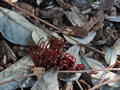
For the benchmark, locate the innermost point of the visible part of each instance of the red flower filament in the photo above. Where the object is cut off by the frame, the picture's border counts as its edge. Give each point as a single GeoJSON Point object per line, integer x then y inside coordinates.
{"type": "Point", "coordinates": [49, 53]}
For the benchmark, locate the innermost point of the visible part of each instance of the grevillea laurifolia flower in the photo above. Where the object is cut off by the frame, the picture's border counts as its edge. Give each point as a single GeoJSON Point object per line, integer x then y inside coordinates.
{"type": "Point", "coordinates": [49, 53]}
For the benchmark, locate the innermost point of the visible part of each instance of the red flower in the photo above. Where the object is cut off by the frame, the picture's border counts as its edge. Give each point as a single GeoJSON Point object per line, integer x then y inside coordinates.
{"type": "Point", "coordinates": [49, 53]}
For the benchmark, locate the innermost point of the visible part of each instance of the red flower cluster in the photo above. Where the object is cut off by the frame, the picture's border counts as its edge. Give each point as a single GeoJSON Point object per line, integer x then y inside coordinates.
{"type": "Point", "coordinates": [49, 53]}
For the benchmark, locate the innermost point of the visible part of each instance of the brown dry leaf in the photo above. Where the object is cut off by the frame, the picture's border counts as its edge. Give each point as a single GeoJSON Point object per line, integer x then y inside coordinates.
{"type": "Point", "coordinates": [75, 31]}
{"type": "Point", "coordinates": [37, 70]}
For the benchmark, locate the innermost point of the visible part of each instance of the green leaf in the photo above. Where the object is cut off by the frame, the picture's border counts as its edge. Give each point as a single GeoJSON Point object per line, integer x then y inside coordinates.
{"type": "Point", "coordinates": [92, 2]}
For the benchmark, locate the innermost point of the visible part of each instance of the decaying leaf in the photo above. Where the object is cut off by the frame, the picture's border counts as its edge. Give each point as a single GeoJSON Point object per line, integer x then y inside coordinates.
{"type": "Point", "coordinates": [75, 31]}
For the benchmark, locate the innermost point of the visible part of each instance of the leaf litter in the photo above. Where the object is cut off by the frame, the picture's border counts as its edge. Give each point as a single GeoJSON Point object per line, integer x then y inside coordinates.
{"type": "Point", "coordinates": [93, 23]}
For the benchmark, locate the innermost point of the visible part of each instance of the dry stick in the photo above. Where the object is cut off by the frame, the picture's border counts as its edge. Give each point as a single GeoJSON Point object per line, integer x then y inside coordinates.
{"type": "Point", "coordinates": [35, 17]}
{"type": "Point", "coordinates": [106, 82]}
{"type": "Point", "coordinates": [103, 78]}
{"type": "Point", "coordinates": [79, 85]}
{"type": "Point", "coordinates": [88, 71]}
{"type": "Point", "coordinates": [82, 71]}
{"type": "Point", "coordinates": [19, 85]}
{"type": "Point", "coordinates": [18, 77]}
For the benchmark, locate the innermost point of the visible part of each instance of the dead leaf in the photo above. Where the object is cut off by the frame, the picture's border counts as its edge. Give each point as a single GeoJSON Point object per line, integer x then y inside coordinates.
{"type": "Point", "coordinates": [75, 31]}
{"type": "Point", "coordinates": [37, 70]}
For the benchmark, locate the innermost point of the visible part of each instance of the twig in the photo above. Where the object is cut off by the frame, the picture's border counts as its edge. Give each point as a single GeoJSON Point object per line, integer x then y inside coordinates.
{"type": "Point", "coordinates": [35, 17]}
{"type": "Point", "coordinates": [106, 82]}
{"type": "Point", "coordinates": [18, 77]}
{"type": "Point", "coordinates": [82, 71]}
{"type": "Point", "coordinates": [103, 78]}
{"type": "Point", "coordinates": [88, 71]}
{"type": "Point", "coordinates": [79, 85]}
{"type": "Point", "coordinates": [19, 84]}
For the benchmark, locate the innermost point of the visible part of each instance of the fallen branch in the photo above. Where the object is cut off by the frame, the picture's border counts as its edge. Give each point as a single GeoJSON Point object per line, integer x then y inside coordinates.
{"type": "Point", "coordinates": [88, 71]}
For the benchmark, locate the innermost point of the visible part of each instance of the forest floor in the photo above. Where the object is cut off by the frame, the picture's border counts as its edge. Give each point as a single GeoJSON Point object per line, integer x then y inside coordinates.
{"type": "Point", "coordinates": [90, 58]}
